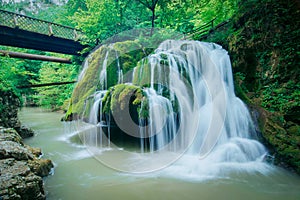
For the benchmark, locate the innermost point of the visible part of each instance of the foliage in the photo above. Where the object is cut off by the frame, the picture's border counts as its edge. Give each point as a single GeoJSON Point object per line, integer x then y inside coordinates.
{"type": "Point", "coordinates": [33, 8]}
{"type": "Point", "coordinates": [263, 41]}
{"type": "Point", "coordinates": [54, 97]}
{"type": "Point", "coordinates": [103, 19]}
{"type": "Point", "coordinates": [20, 72]}
{"type": "Point", "coordinates": [281, 98]}
{"type": "Point", "coordinates": [17, 72]}
{"type": "Point", "coordinates": [188, 15]}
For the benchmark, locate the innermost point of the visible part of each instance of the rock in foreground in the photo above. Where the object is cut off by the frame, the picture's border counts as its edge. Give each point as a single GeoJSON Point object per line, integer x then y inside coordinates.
{"type": "Point", "coordinates": [21, 170]}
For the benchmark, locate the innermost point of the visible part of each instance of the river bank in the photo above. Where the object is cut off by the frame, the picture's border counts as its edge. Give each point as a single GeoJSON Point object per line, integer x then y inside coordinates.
{"type": "Point", "coordinates": [22, 168]}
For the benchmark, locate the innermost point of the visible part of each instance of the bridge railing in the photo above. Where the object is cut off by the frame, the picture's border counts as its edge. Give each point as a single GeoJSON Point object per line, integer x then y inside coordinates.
{"type": "Point", "coordinates": [203, 31]}
{"type": "Point", "coordinates": [31, 24]}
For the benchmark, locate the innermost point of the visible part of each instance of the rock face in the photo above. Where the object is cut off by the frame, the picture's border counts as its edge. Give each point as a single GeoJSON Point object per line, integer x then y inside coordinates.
{"type": "Point", "coordinates": [21, 170]}
{"type": "Point", "coordinates": [9, 104]}
{"type": "Point", "coordinates": [283, 139]}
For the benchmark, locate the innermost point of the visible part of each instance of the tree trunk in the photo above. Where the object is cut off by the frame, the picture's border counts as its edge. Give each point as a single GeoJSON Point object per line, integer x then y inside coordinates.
{"type": "Point", "coordinates": [152, 20]}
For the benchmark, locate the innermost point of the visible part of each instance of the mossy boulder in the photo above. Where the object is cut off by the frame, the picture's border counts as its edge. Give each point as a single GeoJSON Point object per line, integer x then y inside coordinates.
{"type": "Point", "coordinates": [122, 95]}
{"type": "Point", "coordinates": [123, 106]}
{"type": "Point", "coordinates": [114, 57]}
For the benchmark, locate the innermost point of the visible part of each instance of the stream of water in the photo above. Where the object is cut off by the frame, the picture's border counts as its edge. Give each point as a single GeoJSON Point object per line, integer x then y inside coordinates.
{"type": "Point", "coordinates": [78, 175]}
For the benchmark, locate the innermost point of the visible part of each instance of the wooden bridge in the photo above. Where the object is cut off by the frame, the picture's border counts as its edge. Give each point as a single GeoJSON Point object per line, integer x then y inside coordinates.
{"type": "Point", "coordinates": [27, 32]}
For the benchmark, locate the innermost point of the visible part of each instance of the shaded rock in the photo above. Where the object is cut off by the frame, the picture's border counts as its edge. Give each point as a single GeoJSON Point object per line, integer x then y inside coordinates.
{"type": "Point", "coordinates": [10, 103]}
{"type": "Point", "coordinates": [18, 182]}
{"type": "Point", "coordinates": [10, 149]}
{"type": "Point", "coordinates": [24, 131]}
{"type": "Point", "coordinates": [282, 139]}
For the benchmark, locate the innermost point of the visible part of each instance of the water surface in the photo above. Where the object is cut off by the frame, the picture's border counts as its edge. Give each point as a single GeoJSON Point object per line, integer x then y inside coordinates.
{"type": "Point", "coordinates": [78, 175]}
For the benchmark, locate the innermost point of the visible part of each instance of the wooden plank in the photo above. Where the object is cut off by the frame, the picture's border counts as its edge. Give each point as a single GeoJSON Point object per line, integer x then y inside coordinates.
{"type": "Point", "coordinates": [45, 84]}
{"type": "Point", "coordinates": [34, 57]}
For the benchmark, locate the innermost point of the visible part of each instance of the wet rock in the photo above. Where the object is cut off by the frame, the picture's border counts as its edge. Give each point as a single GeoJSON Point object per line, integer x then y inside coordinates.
{"type": "Point", "coordinates": [41, 167]}
{"type": "Point", "coordinates": [18, 182]}
{"type": "Point", "coordinates": [34, 150]}
{"type": "Point", "coordinates": [24, 131]}
{"type": "Point", "coordinates": [21, 168]}
{"type": "Point", "coordinates": [282, 139]}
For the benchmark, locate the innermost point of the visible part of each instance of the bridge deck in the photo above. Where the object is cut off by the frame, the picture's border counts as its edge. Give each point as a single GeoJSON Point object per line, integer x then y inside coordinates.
{"type": "Point", "coordinates": [27, 32]}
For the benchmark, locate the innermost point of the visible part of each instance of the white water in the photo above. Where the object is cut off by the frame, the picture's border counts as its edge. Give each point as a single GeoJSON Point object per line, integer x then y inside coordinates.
{"type": "Point", "coordinates": [214, 130]}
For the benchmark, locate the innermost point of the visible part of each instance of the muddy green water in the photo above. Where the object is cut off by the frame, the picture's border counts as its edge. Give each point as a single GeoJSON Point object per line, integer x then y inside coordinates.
{"type": "Point", "coordinates": [77, 175]}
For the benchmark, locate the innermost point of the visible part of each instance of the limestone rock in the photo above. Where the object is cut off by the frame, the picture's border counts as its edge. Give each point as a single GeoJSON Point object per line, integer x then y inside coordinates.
{"type": "Point", "coordinates": [10, 149]}
{"type": "Point", "coordinates": [34, 150]}
{"type": "Point", "coordinates": [18, 182]}
{"type": "Point", "coordinates": [9, 134]}
{"type": "Point", "coordinates": [21, 168]}
{"type": "Point", "coordinates": [40, 167]}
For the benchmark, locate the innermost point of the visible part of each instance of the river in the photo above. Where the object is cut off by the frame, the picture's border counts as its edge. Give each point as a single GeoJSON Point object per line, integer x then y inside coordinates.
{"type": "Point", "coordinates": [78, 175]}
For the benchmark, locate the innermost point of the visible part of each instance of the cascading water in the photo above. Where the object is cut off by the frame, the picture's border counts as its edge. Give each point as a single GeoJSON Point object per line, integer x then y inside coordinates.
{"type": "Point", "coordinates": [200, 77]}
{"type": "Point", "coordinates": [193, 110]}
{"type": "Point", "coordinates": [215, 125]}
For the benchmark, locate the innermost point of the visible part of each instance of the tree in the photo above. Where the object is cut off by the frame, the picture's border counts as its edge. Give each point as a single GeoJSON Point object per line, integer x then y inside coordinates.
{"type": "Point", "coordinates": [54, 97]}
{"type": "Point", "coordinates": [151, 5]}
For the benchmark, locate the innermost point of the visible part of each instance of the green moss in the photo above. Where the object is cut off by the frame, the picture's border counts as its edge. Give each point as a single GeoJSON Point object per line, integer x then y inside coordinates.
{"type": "Point", "coordinates": [283, 141]}
{"type": "Point", "coordinates": [120, 96]}
{"type": "Point", "coordinates": [294, 130]}
{"type": "Point", "coordinates": [143, 110]}
{"type": "Point", "coordinates": [142, 75]}
{"type": "Point", "coordinates": [125, 54]}
{"type": "Point", "coordinates": [89, 82]}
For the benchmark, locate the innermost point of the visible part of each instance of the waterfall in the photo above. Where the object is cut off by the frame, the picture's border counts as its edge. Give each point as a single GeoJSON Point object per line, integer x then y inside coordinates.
{"type": "Point", "coordinates": [211, 116]}
{"type": "Point", "coordinates": [120, 71]}
{"type": "Point", "coordinates": [193, 110]}
{"type": "Point", "coordinates": [103, 72]}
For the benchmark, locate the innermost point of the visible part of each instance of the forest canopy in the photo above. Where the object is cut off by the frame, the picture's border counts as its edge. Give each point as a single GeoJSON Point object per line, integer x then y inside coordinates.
{"type": "Point", "coordinates": [99, 20]}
